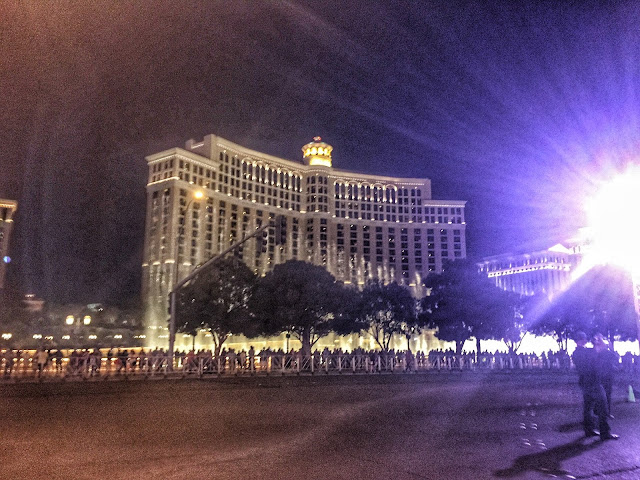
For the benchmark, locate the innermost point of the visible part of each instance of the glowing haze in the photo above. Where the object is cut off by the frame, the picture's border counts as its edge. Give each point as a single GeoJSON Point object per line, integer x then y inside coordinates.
{"type": "Point", "coordinates": [512, 106]}
{"type": "Point", "coordinates": [614, 229]}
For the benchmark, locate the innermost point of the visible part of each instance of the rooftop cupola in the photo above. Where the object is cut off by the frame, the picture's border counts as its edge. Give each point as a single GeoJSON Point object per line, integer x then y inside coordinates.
{"type": "Point", "coordinates": [317, 153]}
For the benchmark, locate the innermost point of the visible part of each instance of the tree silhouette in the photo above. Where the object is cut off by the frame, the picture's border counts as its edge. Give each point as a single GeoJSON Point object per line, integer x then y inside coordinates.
{"type": "Point", "coordinates": [386, 310]}
{"type": "Point", "coordinates": [300, 298]}
{"type": "Point", "coordinates": [464, 304]}
{"type": "Point", "coordinates": [217, 301]}
{"type": "Point", "coordinates": [601, 300]}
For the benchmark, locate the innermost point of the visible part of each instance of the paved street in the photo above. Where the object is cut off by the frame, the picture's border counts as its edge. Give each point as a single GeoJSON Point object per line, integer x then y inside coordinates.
{"type": "Point", "coordinates": [424, 426]}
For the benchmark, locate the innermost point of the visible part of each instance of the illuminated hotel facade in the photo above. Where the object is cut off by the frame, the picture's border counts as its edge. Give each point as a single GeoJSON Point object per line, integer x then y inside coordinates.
{"type": "Point", "coordinates": [357, 226]}
{"type": "Point", "coordinates": [7, 210]}
{"type": "Point", "coordinates": [539, 272]}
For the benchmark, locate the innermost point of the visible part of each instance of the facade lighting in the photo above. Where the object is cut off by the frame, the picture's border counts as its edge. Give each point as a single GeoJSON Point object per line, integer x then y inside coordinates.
{"type": "Point", "coordinates": [6, 336]}
{"type": "Point", "coordinates": [273, 180]}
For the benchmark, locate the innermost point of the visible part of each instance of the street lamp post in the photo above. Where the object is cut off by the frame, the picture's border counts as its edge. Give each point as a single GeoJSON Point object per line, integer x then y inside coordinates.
{"type": "Point", "coordinates": [198, 195]}
{"type": "Point", "coordinates": [198, 270]}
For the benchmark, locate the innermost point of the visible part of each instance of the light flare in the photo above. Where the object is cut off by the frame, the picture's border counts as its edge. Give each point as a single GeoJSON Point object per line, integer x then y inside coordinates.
{"type": "Point", "coordinates": [613, 223]}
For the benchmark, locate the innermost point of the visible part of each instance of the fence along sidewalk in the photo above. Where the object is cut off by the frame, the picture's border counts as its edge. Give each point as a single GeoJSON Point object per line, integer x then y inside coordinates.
{"type": "Point", "coordinates": [204, 365]}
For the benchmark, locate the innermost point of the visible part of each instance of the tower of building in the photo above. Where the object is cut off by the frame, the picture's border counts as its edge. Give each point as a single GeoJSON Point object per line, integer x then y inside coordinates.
{"type": "Point", "coordinates": [356, 225]}
{"type": "Point", "coordinates": [7, 210]}
{"type": "Point", "coordinates": [317, 153]}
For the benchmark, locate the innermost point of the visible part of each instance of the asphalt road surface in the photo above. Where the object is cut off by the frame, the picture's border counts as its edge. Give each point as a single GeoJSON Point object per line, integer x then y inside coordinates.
{"type": "Point", "coordinates": [424, 426]}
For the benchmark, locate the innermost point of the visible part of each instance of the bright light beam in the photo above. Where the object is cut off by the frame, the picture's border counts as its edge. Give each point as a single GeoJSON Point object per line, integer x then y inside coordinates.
{"type": "Point", "coordinates": [615, 226]}
{"type": "Point", "coordinates": [614, 223]}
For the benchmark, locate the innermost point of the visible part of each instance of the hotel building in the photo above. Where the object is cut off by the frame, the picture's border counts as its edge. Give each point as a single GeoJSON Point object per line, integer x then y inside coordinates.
{"type": "Point", "coordinates": [547, 271]}
{"type": "Point", "coordinates": [358, 226]}
{"type": "Point", "coordinates": [7, 209]}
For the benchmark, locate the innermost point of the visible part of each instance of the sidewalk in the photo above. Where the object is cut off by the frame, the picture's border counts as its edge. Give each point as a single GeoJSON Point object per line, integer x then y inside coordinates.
{"type": "Point", "coordinates": [440, 426]}
{"type": "Point", "coordinates": [552, 444]}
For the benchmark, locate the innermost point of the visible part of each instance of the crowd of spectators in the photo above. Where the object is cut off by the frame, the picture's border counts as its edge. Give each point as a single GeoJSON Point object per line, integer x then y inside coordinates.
{"type": "Point", "coordinates": [82, 362]}
{"type": "Point", "coordinates": [95, 362]}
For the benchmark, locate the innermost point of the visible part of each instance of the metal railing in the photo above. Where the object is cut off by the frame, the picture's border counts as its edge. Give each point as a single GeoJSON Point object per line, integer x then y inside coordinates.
{"type": "Point", "coordinates": [93, 367]}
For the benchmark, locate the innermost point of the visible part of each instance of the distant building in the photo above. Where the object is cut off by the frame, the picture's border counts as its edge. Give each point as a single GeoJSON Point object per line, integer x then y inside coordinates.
{"type": "Point", "coordinates": [7, 209]}
{"type": "Point", "coordinates": [545, 271]}
{"type": "Point", "coordinates": [51, 325]}
{"type": "Point", "coordinates": [33, 304]}
{"type": "Point", "coordinates": [358, 226]}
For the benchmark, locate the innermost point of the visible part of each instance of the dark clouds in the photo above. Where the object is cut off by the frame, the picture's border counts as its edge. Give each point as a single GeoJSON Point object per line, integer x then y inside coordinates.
{"type": "Point", "coordinates": [517, 107]}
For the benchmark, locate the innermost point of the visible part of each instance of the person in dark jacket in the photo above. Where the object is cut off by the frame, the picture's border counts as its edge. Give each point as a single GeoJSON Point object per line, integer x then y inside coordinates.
{"type": "Point", "coordinates": [608, 363]}
{"type": "Point", "coordinates": [593, 394]}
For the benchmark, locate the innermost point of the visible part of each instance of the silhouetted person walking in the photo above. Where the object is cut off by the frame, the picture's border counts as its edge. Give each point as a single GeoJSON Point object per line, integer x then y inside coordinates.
{"type": "Point", "coordinates": [593, 395]}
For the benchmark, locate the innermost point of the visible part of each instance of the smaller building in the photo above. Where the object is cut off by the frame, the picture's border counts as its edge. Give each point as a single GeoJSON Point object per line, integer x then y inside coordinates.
{"type": "Point", "coordinates": [545, 271]}
{"type": "Point", "coordinates": [73, 326]}
{"type": "Point", "coordinates": [7, 210]}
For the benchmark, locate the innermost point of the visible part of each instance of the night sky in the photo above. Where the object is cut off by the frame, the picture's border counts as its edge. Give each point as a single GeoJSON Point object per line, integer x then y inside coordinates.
{"type": "Point", "coordinates": [520, 108]}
